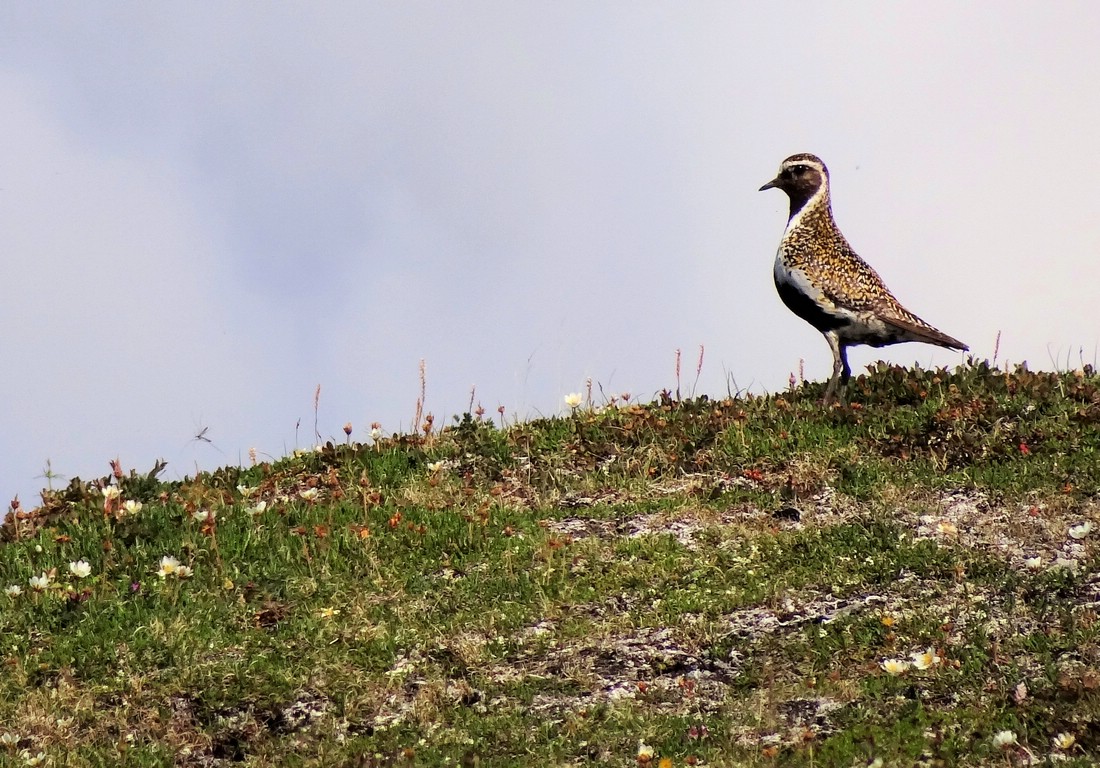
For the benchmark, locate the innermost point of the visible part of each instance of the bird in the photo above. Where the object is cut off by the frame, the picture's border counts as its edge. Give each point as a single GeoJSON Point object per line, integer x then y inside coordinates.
{"type": "Point", "coordinates": [822, 280]}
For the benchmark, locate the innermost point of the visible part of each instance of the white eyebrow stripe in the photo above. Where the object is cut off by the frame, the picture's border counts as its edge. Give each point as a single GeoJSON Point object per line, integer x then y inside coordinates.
{"type": "Point", "coordinates": [808, 163]}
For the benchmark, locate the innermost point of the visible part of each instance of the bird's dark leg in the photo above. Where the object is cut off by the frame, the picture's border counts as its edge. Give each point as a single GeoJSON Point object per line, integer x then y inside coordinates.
{"type": "Point", "coordinates": [840, 366]}
{"type": "Point", "coordinates": [845, 375]}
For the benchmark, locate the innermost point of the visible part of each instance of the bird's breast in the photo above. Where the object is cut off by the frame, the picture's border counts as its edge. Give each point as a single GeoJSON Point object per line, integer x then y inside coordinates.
{"type": "Point", "coordinates": [805, 299]}
{"type": "Point", "coordinates": [791, 278]}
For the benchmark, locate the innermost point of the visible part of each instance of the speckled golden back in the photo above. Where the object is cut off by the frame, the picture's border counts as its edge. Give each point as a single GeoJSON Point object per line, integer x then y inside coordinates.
{"type": "Point", "coordinates": [818, 248]}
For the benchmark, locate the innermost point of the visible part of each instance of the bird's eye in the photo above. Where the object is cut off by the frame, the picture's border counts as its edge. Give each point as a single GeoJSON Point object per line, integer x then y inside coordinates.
{"type": "Point", "coordinates": [798, 170]}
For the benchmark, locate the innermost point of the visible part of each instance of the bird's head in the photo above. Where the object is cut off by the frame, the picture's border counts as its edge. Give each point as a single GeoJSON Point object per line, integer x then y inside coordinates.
{"type": "Point", "coordinates": [802, 177]}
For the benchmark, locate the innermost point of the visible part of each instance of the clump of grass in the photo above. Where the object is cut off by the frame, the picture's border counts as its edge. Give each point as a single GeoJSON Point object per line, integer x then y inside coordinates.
{"type": "Point", "coordinates": [757, 581]}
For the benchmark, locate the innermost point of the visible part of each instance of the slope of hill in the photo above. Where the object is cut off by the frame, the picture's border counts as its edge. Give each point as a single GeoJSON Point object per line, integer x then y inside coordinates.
{"type": "Point", "coordinates": [761, 581]}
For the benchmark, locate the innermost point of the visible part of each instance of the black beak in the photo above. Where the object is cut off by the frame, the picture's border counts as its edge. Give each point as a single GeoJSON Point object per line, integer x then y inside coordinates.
{"type": "Point", "coordinates": [771, 184]}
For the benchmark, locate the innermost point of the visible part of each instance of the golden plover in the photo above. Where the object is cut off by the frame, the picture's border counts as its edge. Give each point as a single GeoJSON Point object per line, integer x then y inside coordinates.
{"type": "Point", "coordinates": [822, 280]}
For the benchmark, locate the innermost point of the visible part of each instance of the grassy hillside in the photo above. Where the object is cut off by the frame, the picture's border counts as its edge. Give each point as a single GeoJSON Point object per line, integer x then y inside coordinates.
{"type": "Point", "coordinates": [757, 581]}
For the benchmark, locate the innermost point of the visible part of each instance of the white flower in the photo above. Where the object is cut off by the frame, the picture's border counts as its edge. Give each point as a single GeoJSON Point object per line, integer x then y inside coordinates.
{"type": "Point", "coordinates": [9, 739]}
{"type": "Point", "coordinates": [895, 666]}
{"type": "Point", "coordinates": [573, 399]}
{"type": "Point", "coordinates": [202, 515]}
{"type": "Point", "coordinates": [947, 528]}
{"type": "Point", "coordinates": [131, 507]}
{"type": "Point", "coordinates": [1064, 741]}
{"type": "Point", "coordinates": [435, 466]}
{"type": "Point", "coordinates": [246, 490]}
{"type": "Point", "coordinates": [29, 759]}
{"type": "Point", "coordinates": [1033, 563]}
{"type": "Point", "coordinates": [1080, 531]}
{"type": "Point", "coordinates": [1004, 739]}
{"type": "Point", "coordinates": [168, 566]}
{"type": "Point", "coordinates": [13, 590]}
{"type": "Point", "coordinates": [924, 659]}
{"type": "Point", "coordinates": [309, 494]}
{"type": "Point", "coordinates": [110, 498]}
{"type": "Point", "coordinates": [183, 571]}
{"type": "Point", "coordinates": [645, 752]}
{"type": "Point", "coordinates": [1065, 564]}
{"type": "Point", "coordinates": [375, 433]}
{"type": "Point", "coordinates": [258, 508]}
{"type": "Point", "coordinates": [80, 568]}
{"type": "Point", "coordinates": [39, 583]}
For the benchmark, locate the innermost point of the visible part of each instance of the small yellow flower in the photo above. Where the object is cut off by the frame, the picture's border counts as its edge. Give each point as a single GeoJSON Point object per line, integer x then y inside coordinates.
{"type": "Point", "coordinates": [895, 666]}
{"type": "Point", "coordinates": [1064, 741]}
{"type": "Point", "coordinates": [328, 613]}
{"type": "Point", "coordinates": [168, 566]}
{"type": "Point", "coordinates": [924, 659]}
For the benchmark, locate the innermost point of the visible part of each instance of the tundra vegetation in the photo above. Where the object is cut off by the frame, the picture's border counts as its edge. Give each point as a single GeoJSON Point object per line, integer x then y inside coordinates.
{"type": "Point", "coordinates": [746, 581]}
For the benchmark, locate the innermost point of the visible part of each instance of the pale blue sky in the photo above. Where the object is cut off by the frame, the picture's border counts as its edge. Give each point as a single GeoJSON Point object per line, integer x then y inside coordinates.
{"type": "Point", "coordinates": [206, 210]}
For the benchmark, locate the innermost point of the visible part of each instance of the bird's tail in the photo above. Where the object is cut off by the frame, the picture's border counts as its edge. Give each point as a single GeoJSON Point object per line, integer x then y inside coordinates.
{"type": "Point", "coordinates": [915, 329]}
